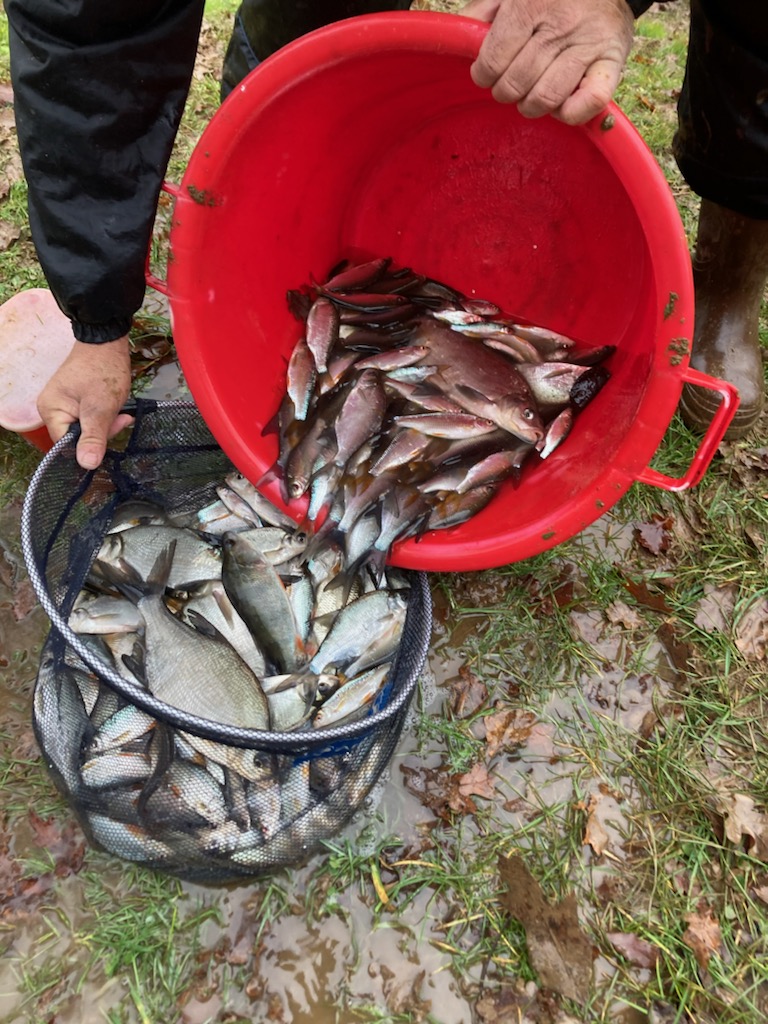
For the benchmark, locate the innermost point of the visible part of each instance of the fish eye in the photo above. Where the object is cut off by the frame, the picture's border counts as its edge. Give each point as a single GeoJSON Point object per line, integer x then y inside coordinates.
{"type": "Point", "coordinates": [528, 414]}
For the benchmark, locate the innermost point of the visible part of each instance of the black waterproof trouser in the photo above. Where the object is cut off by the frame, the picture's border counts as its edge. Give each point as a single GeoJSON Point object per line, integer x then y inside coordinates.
{"type": "Point", "coordinates": [263, 26]}
{"type": "Point", "coordinates": [721, 144]}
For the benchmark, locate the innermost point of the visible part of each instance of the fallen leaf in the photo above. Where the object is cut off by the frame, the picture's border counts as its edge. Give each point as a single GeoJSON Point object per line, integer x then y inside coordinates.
{"type": "Point", "coordinates": [594, 833]}
{"type": "Point", "coordinates": [715, 612]}
{"type": "Point", "coordinates": [620, 613]}
{"type": "Point", "coordinates": [644, 596]}
{"type": "Point", "coordinates": [6, 93]}
{"type": "Point", "coordinates": [648, 725]}
{"type": "Point", "coordinates": [740, 819]}
{"type": "Point", "coordinates": [655, 536]}
{"type": "Point", "coordinates": [680, 652]}
{"type": "Point", "coordinates": [65, 843]}
{"type": "Point", "coordinates": [9, 233]}
{"type": "Point", "coordinates": [433, 786]}
{"type": "Point", "coordinates": [702, 935]}
{"type": "Point", "coordinates": [24, 599]}
{"type": "Point", "coordinates": [475, 782]}
{"type": "Point", "coordinates": [560, 952]}
{"type": "Point", "coordinates": [469, 693]}
{"type": "Point", "coordinates": [637, 951]}
{"type": "Point", "coordinates": [751, 630]}
{"type": "Point", "coordinates": [506, 1006]}
{"type": "Point", "coordinates": [506, 729]}
{"type": "Point", "coordinates": [761, 892]}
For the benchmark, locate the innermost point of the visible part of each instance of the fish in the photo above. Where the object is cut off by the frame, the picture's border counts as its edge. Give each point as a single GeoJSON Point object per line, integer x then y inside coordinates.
{"type": "Point", "coordinates": [133, 552]}
{"type": "Point", "coordinates": [189, 670]}
{"type": "Point", "coordinates": [260, 597]}
{"type": "Point", "coordinates": [363, 633]}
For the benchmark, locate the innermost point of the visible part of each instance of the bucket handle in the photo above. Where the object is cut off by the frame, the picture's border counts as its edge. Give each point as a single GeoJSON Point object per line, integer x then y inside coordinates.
{"type": "Point", "coordinates": [152, 279]}
{"type": "Point", "coordinates": [709, 443]}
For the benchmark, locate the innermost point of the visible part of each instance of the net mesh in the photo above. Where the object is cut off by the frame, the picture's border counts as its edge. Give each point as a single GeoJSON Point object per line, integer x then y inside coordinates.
{"type": "Point", "coordinates": [205, 801]}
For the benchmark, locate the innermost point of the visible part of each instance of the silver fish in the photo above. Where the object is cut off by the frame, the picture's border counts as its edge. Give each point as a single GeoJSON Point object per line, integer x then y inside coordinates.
{"type": "Point", "coordinates": [353, 696]}
{"type": "Point", "coordinates": [126, 725]}
{"type": "Point", "coordinates": [137, 549]}
{"type": "Point", "coordinates": [104, 613]}
{"type": "Point", "coordinates": [259, 595]}
{"type": "Point", "coordinates": [367, 630]}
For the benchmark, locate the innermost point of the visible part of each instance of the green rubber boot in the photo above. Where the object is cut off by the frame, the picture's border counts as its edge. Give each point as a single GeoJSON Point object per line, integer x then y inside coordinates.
{"type": "Point", "coordinates": [730, 268]}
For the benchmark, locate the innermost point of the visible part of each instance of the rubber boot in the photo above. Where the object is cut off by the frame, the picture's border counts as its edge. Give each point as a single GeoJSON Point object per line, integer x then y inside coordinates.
{"type": "Point", "coordinates": [730, 268]}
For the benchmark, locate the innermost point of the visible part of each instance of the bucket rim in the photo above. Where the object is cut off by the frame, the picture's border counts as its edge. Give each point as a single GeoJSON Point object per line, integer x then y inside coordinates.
{"type": "Point", "coordinates": [625, 152]}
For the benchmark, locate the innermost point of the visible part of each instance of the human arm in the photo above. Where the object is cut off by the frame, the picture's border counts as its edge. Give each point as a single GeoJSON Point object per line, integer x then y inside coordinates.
{"type": "Point", "coordinates": [99, 89]}
{"type": "Point", "coordinates": [556, 57]}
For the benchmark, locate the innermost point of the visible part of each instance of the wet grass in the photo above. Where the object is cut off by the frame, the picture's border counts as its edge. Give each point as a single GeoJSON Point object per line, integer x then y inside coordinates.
{"type": "Point", "coordinates": [656, 711]}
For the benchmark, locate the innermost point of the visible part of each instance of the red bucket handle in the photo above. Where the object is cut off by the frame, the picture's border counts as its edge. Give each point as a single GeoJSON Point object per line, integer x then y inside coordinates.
{"type": "Point", "coordinates": [709, 443]}
{"type": "Point", "coordinates": [152, 279]}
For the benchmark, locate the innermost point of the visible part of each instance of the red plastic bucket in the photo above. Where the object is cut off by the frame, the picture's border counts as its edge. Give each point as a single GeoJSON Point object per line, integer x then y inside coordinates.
{"type": "Point", "coordinates": [368, 138]}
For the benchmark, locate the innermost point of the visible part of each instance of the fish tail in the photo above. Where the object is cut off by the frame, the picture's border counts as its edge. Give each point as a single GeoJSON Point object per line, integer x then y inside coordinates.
{"type": "Point", "coordinates": [129, 581]}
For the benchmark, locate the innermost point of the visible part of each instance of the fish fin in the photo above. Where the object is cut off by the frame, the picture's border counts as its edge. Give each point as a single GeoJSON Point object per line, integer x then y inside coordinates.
{"type": "Point", "coordinates": [134, 665]}
{"type": "Point", "coordinates": [202, 625]}
{"type": "Point", "coordinates": [470, 392]}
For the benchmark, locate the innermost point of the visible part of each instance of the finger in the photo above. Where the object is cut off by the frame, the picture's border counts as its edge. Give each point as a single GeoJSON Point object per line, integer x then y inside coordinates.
{"type": "Point", "coordinates": [121, 421]}
{"type": "Point", "coordinates": [95, 424]}
{"type": "Point", "coordinates": [535, 63]}
{"type": "Point", "coordinates": [505, 39]}
{"type": "Point", "coordinates": [552, 87]}
{"type": "Point", "coordinates": [592, 95]}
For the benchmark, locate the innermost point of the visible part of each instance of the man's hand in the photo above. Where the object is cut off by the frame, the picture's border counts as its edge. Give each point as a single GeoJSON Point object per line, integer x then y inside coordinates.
{"type": "Point", "coordinates": [91, 386]}
{"type": "Point", "coordinates": [559, 57]}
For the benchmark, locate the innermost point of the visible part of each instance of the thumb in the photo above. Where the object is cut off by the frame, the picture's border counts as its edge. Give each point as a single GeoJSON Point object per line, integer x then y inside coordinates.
{"type": "Point", "coordinates": [95, 423]}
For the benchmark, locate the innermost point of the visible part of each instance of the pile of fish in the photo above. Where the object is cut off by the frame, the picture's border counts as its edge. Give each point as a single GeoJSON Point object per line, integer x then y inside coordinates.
{"type": "Point", "coordinates": [223, 615]}
{"type": "Point", "coordinates": [407, 404]}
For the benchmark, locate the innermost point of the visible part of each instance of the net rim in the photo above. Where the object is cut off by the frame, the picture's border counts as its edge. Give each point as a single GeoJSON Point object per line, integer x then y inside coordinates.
{"type": "Point", "coordinates": [219, 732]}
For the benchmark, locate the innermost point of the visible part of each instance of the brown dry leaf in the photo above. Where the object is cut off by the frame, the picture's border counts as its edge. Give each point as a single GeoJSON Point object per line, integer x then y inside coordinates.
{"type": "Point", "coordinates": [620, 613]}
{"type": "Point", "coordinates": [560, 952]}
{"type": "Point", "coordinates": [680, 652]}
{"type": "Point", "coordinates": [648, 725]}
{"type": "Point", "coordinates": [715, 612]}
{"type": "Point", "coordinates": [507, 1006]}
{"type": "Point", "coordinates": [644, 596]}
{"type": "Point", "coordinates": [761, 892]}
{"type": "Point", "coordinates": [655, 536]}
{"type": "Point", "coordinates": [637, 951]}
{"type": "Point", "coordinates": [702, 935]}
{"type": "Point", "coordinates": [6, 93]}
{"type": "Point", "coordinates": [751, 630]}
{"type": "Point", "coordinates": [475, 782]}
{"type": "Point", "coordinates": [469, 693]}
{"type": "Point", "coordinates": [594, 833]}
{"type": "Point", "coordinates": [740, 819]}
{"type": "Point", "coordinates": [506, 729]}
{"type": "Point", "coordinates": [9, 233]}
{"type": "Point", "coordinates": [433, 786]}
